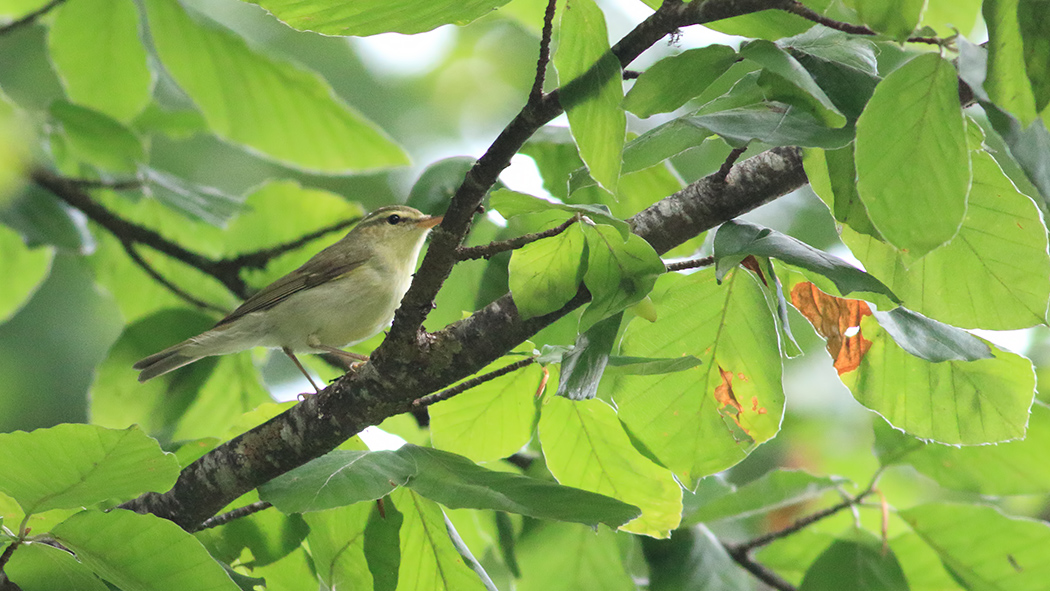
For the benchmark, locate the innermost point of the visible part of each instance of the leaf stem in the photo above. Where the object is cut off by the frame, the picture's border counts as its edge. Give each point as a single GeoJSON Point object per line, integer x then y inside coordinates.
{"type": "Point", "coordinates": [472, 382]}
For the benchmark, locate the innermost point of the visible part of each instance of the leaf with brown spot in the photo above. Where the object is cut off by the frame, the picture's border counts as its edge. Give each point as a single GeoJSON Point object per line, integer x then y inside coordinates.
{"type": "Point", "coordinates": [832, 317]}
{"type": "Point", "coordinates": [724, 391]}
{"type": "Point", "coordinates": [751, 264]}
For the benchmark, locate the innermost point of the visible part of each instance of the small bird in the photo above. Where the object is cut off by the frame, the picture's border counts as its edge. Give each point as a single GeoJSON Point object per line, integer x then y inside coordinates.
{"type": "Point", "coordinates": [345, 294]}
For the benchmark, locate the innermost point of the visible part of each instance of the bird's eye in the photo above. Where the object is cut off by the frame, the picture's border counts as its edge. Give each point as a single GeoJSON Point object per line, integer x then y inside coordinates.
{"type": "Point", "coordinates": [393, 219]}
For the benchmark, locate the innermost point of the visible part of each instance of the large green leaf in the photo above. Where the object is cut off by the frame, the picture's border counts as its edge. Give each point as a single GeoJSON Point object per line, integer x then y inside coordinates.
{"type": "Point", "coordinates": [40, 567]}
{"type": "Point", "coordinates": [141, 552]}
{"type": "Point", "coordinates": [512, 203]}
{"type": "Point", "coordinates": [859, 563]}
{"type": "Point", "coordinates": [586, 447]}
{"type": "Point", "coordinates": [958, 402]}
{"type": "Point", "coordinates": [345, 477]}
{"type": "Point", "coordinates": [565, 557]}
{"type": "Point", "coordinates": [1034, 20]}
{"type": "Point", "coordinates": [672, 81]}
{"type": "Point", "coordinates": [96, 50]}
{"type": "Point", "coordinates": [274, 107]}
{"type": "Point", "coordinates": [268, 535]}
{"type": "Point", "coordinates": [95, 138]}
{"type": "Point", "coordinates": [894, 18]}
{"type": "Point", "coordinates": [23, 270]}
{"type": "Point", "coordinates": [436, 563]}
{"type": "Point", "coordinates": [832, 175]}
{"type": "Point", "coordinates": [913, 169]}
{"type": "Point", "coordinates": [592, 90]}
{"type": "Point", "coordinates": [337, 545]}
{"type": "Point", "coordinates": [490, 421]}
{"type": "Point", "coordinates": [735, 240]}
{"type": "Point", "coordinates": [620, 273]}
{"type": "Point", "coordinates": [779, 62]}
{"type": "Point", "coordinates": [1001, 251]}
{"type": "Point", "coordinates": [773, 123]}
{"type": "Point", "coordinates": [1012, 468]}
{"type": "Point", "coordinates": [983, 548]}
{"type": "Point", "coordinates": [546, 274]}
{"type": "Point", "coordinates": [1007, 83]}
{"type": "Point", "coordinates": [370, 17]}
{"type": "Point", "coordinates": [73, 465]}
{"type": "Point", "coordinates": [776, 489]}
{"type": "Point", "coordinates": [704, 420]}
{"type": "Point", "coordinates": [693, 560]}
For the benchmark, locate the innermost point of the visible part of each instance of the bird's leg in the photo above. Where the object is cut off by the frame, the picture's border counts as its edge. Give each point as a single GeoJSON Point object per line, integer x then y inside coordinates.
{"type": "Point", "coordinates": [352, 358]}
{"type": "Point", "coordinates": [291, 355]}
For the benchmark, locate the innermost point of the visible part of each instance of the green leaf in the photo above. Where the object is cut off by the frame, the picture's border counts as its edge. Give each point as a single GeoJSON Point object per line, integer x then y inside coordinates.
{"type": "Point", "coordinates": [1033, 17]}
{"type": "Point", "coordinates": [774, 490]}
{"type": "Point", "coordinates": [23, 270]}
{"type": "Point", "coordinates": [511, 203]}
{"type": "Point", "coordinates": [207, 204]}
{"type": "Point", "coordinates": [779, 62]}
{"type": "Point", "coordinates": [929, 339]}
{"type": "Point", "coordinates": [141, 552]}
{"type": "Point", "coordinates": [546, 274]}
{"type": "Point", "coordinates": [592, 90]}
{"type": "Point", "coordinates": [338, 478]}
{"type": "Point", "coordinates": [456, 482]}
{"type": "Point", "coordinates": [370, 17]}
{"type": "Point", "coordinates": [1001, 251]}
{"type": "Point", "coordinates": [706, 419]}
{"type": "Point", "coordinates": [1007, 83]}
{"type": "Point", "coordinates": [42, 219]}
{"type": "Point", "coordinates": [437, 563]}
{"type": "Point", "coordinates": [72, 465]}
{"type": "Point", "coordinates": [40, 567]}
{"type": "Point", "coordinates": [983, 548]}
{"type": "Point", "coordinates": [490, 421]}
{"type": "Point", "coordinates": [692, 560]}
{"type": "Point", "coordinates": [764, 24]}
{"type": "Point", "coordinates": [896, 19]}
{"type": "Point", "coordinates": [773, 123]}
{"type": "Point", "coordinates": [95, 48]}
{"type": "Point", "coordinates": [1012, 468]}
{"type": "Point", "coordinates": [582, 367]}
{"type": "Point", "coordinates": [586, 447]}
{"type": "Point", "coordinates": [737, 239]}
{"type": "Point", "coordinates": [383, 545]}
{"type": "Point", "coordinates": [921, 565]}
{"type": "Point", "coordinates": [857, 563]}
{"type": "Point", "coordinates": [290, 115]}
{"type": "Point", "coordinates": [268, 535]}
{"type": "Point", "coordinates": [437, 184]}
{"type": "Point", "coordinates": [844, 66]}
{"type": "Point", "coordinates": [834, 46]}
{"type": "Point", "coordinates": [957, 402]}
{"type": "Point", "coordinates": [619, 273]}
{"type": "Point", "coordinates": [662, 142]}
{"type": "Point", "coordinates": [832, 175]}
{"type": "Point", "coordinates": [913, 170]}
{"type": "Point", "coordinates": [97, 139]}
{"type": "Point", "coordinates": [337, 546]}
{"type": "Point", "coordinates": [565, 557]}
{"type": "Point", "coordinates": [672, 81]}
{"type": "Point", "coordinates": [233, 388]}
{"type": "Point", "coordinates": [647, 366]}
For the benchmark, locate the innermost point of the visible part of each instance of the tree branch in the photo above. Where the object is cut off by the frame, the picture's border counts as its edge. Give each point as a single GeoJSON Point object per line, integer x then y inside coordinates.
{"type": "Point", "coordinates": [129, 248]}
{"type": "Point", "coordinates": [545, 53]}
{"type": "Point", "coordinates": [471, 383]}
{"type": "Point", "coordinates": [469, 253]}
{"type": "Point", "coordinates": [237, 513]}
{"type": "Point", "coordinates": [799, 9]}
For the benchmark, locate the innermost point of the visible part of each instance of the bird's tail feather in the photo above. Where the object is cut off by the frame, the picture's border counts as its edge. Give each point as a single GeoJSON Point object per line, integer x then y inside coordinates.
{"type": "Point", "coordinates": [167, 360]}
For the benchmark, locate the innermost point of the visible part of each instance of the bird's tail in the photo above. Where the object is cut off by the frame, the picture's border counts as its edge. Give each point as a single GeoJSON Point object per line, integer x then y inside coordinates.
{"type": "Point", "coordinates": [167, 360]}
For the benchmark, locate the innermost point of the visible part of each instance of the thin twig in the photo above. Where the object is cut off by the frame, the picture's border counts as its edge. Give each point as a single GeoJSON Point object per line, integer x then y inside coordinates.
{"type": "Point", "coordinates": [124, 185]}
{"type": "Point", "coordinates": [224, 518]}
{"type": "Point", "coordinates": [129, 247]}
{"type": "Point", "coordinates": [29, 18]}
{"type": "Point", "coordinates": [259, 258]}
{"type": "Point", "coordinates": [759, 570]}
{"type": "Point", "coordinates": [469, 253]}
{"type": "Point", "coordinates": [472, 382]}
{"type": "Point", "coordinates": [8, 552]}
{"type": "Point", "coordinates": [727, 166]}
{"type": "Point", "coordinates": [799, 9]}
{"type": "Point", "coordinates": [690, 264]}
{"type": "Point", "coordinates": [545, 53]}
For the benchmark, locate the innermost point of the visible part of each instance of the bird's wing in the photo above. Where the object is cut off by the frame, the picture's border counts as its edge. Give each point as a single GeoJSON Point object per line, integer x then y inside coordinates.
{"type": "Point", "coordinates": [311, 274]}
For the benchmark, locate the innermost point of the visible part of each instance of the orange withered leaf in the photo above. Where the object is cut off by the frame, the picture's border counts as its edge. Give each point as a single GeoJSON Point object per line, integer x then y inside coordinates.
{"type": "Point", "coordinates": [724, 391]}
{"type": "Point", "coordinates": [833, 318]}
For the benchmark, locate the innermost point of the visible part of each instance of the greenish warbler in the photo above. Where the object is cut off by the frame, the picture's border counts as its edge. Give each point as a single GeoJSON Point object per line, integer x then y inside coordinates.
{"type": "Point", "coordinates": [345, 294]}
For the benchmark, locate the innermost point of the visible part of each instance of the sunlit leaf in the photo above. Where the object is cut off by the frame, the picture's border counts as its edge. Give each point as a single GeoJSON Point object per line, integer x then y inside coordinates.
{"type": "Point", "coordinates": [23, 270]}
{"type": "Point", "coordinates": [141, 552]}
{"type": "Point", "coordinates": [290, 114]}
{"type": "Point", "coordinates": [73, 465]}
{"type": "Point", "coordinates": [1007, 83]}
{"type": "Point", "coordinates": [586, 447]}
{"type": "Point", "coordinates": [619, 273]}
{"type": "Point", "coordinates": [776, 489]}
{"type": "Point", "coordinates": [512, 203]}
{"type": "Point", "coordinates": [95, 47]}
{"type": "Point", "coordinates": [592, 90]}
{"type": "Point", "coordinates": [913, 170]}
{"type": "Point", "coordinates": [546, 274]}
{"type": "Point", "coordinates": [337, 540]}
{"type": "Point", "coordinates": [565, 557]}
{"type": "Point", "coordinates": [1033, 17]}
{"type": "Point", "coordinates": [983, 548]}
{"type": "Point", "coordinates": [895, 18]}
{"type": "Point", "coordinates": [369, 17]}
{"type": "Point", "coordinates": [704, 420]}
{"type": "Point", "coordinates": [40, 567]}
{"type": "Point", "coordinates": [97, 139]}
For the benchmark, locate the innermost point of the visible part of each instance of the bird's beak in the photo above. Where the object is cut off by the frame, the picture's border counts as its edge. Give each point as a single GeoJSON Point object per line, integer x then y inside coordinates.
{"type": "Point", "coordinates": [430, 221]}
